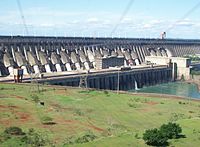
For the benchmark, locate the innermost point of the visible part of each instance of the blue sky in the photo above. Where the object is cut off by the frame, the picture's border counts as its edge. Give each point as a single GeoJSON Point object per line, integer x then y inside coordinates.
{"type": "Point", "coordinates": [93, 18]}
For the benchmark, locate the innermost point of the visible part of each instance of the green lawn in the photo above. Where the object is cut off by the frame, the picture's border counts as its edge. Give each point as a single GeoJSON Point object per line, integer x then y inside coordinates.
{"type": "Point", "coordinates": [115, 119]}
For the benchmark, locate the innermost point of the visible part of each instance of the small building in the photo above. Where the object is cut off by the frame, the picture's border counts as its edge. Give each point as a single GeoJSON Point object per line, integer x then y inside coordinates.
{"type": "Point", "coordinates": [106, 62]}
{"type": "Point", "coordinates": [180, 66]}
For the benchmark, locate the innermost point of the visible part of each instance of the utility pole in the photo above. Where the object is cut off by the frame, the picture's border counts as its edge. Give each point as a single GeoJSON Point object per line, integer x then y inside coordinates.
{"type": "Point", "coordinates": [118, 81]}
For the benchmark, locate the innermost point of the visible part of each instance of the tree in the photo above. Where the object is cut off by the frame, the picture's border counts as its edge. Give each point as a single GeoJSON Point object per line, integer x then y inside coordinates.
{"type": "Point", "coordinates": [171, 130]}
{"type": "Point", "coordinates": [159, 137]}
{"type": "Point", "coordinates": [154, 137]}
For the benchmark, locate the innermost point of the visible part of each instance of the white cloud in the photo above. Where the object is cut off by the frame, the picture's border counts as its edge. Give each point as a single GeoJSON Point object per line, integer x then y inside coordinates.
{"type": "Point", "coordinates": [185, 23]}
{"type": "Point", "coordinates": [44, 19]}
{"type": "Point", "coordinates": [127, 20]}
{"type": "Point", "coordinates": [93, 20]}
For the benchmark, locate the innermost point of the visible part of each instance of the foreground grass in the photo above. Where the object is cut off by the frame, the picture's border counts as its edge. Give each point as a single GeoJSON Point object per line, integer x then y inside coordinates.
{"type": "Point", "coordinates": [116, 120]}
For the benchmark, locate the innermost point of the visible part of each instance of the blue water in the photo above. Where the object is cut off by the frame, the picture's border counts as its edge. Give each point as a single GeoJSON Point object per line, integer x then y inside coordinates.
{"type": "Point", "coordinates": [174, 88]}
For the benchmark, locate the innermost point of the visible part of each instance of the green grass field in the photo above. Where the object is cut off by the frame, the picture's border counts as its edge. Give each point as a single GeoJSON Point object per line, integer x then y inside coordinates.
{"type": "Point", "coordinates": [115, 119]}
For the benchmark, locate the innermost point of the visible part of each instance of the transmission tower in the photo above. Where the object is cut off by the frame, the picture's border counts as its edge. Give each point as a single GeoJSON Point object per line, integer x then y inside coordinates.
{"type": "Point", "coordinates": [83, 81]}
{"type": "Point", "coordinates": [34, 82]}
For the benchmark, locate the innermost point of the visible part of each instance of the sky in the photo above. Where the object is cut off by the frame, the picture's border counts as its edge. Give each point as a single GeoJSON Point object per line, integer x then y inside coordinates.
{"type": "Point", "coordinates": [102, 18]}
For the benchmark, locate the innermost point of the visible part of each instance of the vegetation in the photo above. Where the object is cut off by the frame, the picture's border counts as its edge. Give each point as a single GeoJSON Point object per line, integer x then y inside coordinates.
{"type": "Point", "coordinates": [35, 139]}
{"type": "Point", "coordinates": [14, 136]}
{"type": "Point", "coordinates": [193, 57]}
{"type": "Point", "coordinates": [89, 136]}
{"type": "Point", "coordinates": [14, 131]}
{"type": "Point", "coordinates": [159, 137]}
{"type": "Point", "coordinates": [90, 118]}
{"type": "Point", "coordinates": [155, 137]}
{"type": "Point", "coordinates": [35, 98]}
{"type": "Point", "coordinates": [171, 130]}
{"type": "Point", "coordinates": [47, 120]}
{"type": "Point", "coordinates": [195, 72]}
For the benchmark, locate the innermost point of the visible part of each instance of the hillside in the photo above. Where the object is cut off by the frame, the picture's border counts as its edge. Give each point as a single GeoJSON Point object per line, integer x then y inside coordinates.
{"type": "Point", "coordinates": [65, 115]}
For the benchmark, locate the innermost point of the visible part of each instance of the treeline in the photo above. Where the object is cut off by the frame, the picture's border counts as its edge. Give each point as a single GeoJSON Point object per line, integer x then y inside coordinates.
{"type": "Point", "coordinates": [195, 72]}
{"type": "Point", "coordinates": [193, 57]}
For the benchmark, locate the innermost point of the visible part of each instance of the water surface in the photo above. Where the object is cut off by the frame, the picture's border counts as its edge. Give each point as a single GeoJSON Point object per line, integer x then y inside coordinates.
{"type": "Point", "coordinates": [174, 88]}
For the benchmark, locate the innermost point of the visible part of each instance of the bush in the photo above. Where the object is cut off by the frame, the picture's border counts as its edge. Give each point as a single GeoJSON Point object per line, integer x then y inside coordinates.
{"type": "Point", "coordinates": [105, 92]}
{"type": "Point", "coordinates": [11, 132]}
{"type": "Point", "coordinates": [69, 140]}
{"type": "Point", "coordinates": [171, 130]}
{"type": "Point", "coordinates": [137, 136]}
{"type": "Point", "coordinates": [14, 131]}
{"type": "Point", "coordinates": [89, 136]}
{"type": "Point", "coordinates": [79, 112]}
{"type": "Point", "coordinates": [35, 139]}
{"type": "Point", "coordinates": [47, 120]}
{"type": "Point", "coordinates": [154, 137]}
{"type": "Point", "coordinates": [30, 138]}
{"type": "Point", "coordinates": [176, 116]}
{"type": "Point", "coordinates": [35, 98]}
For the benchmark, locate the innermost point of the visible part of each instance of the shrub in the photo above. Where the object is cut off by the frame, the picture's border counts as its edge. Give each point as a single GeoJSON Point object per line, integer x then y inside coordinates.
{"type": "Point", "coordinates": [89, 136]}
{"type": "Point", "coordinates": [35, 98]}
{"type": "Point", "coordinates": [176, 116]}
{"type": "Point", "coordinates": [105, 92]}
{"type": "Point", "coordinates": [137, 136]}
{"type": "Point", "coordinates": [191, 111]}
{"type": "Point", "coordinates": [154, 137]}
{"type": "Point", "coordinates": [35, 139]}
{"type": "Point", "coordinates": [14, 131]}
{"type": "Point", "coordinates": [133, 105]}
{"type": "Point", "coordinates": [171, 130]}
{"type": "Point", "coordinates": [47, 120]}
{"type": "Point", "coordinates": [69, 140]}
{"type": "Point", "coordinates": [2, 88]}
{"type": "Point", "coordinates": [78, 112]}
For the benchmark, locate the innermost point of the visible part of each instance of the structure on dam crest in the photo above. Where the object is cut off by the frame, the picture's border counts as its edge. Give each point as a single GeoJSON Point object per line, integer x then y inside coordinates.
{"type": "Point", "coordinates": [55, 56]}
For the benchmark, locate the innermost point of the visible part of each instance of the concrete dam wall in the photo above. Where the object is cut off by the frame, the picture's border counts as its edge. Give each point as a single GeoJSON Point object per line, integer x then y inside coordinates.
{"type": "Point", "coordinates": [58, 54]}
{"type": "Point", "coordinates": [116, 79]}
{"type": "Point", "coordinates": [68, 57]}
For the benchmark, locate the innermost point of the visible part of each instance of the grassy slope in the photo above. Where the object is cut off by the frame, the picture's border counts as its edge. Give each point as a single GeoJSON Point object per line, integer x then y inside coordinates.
{"type": "Point", "coordinates": [115, 119]}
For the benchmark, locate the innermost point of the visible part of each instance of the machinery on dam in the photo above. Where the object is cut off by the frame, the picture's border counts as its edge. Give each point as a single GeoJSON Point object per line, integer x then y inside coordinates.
{"type": "Point", "coordinates": [65, 54]}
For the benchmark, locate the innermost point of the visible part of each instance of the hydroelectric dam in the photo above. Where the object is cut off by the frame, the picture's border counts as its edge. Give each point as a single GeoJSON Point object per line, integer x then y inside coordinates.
{"type": "Point", "coordinates": [103, 63]}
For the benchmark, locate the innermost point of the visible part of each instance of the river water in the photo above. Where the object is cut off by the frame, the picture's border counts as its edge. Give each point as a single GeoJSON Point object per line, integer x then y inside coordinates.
{"type": "Point", "coordinates": [173, 88]}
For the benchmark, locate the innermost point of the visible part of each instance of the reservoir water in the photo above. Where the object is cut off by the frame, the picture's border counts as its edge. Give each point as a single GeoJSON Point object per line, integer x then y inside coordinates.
{"type": "Point", "coordinates": [173, 88]}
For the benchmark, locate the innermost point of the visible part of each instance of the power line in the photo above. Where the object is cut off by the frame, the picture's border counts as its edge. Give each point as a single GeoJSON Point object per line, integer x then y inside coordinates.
{"type": "Point", "coordinates": [184, 16]}
{"type": "Point", "coordinates": [22, 17]}
{"type": "Point", "coordinates": [122, 16]}
{"type": "Point", "coordinates": [153, 42]}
